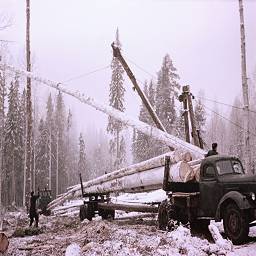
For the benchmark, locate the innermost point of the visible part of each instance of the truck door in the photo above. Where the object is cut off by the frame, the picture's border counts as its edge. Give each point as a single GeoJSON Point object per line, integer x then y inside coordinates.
{"type": "Point", "coordinates": [210, 191]}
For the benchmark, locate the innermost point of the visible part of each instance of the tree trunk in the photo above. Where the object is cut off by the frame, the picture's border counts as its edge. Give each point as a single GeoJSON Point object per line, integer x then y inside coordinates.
{"type": "Point", "coordinates": [50, 159]}
{"type": "Point", "coordinates": [13, 180]}
{"type": "Point", "coordinates": [245, 92]}
{"type": "Point", "coordinates": [29, 103]}
{"type": "Point", "coordinates": [57, 165]}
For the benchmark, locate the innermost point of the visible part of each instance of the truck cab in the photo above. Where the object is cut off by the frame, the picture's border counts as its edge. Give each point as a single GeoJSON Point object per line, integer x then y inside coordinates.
{"type": "Point", "coordinates": [224, 192]}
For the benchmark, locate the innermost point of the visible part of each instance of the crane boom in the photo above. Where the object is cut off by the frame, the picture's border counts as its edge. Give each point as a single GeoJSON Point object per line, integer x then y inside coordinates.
{"type": "Point", "coordinates": [117, 54]}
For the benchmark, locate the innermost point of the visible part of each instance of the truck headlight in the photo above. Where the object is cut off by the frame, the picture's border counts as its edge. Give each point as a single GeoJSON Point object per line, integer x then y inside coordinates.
{"type": "Point", "coordinates": [253, 196]}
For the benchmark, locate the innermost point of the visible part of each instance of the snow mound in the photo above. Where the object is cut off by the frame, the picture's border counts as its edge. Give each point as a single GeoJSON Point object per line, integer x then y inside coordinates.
{"type": "Point", "coordinates": [73, 250]}
{"type": "Point", "coordinates": [222, 243]}
{"type": "Point", "coordinates": [193, 246]}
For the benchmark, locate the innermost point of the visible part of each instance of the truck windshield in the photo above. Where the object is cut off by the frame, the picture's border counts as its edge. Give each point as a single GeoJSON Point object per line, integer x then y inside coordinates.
{"type": "Point", "coordinates": [229, 167]}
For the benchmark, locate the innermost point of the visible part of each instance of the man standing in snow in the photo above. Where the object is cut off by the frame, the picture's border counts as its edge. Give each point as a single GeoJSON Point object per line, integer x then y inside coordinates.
{"type": "Point", "coordinates": [213, 151]}
{"type": "Point", "coordinates": [33, 214]}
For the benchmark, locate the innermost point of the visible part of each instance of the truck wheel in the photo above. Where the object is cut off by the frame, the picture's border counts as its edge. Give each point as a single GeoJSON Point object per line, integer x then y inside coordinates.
{"type": "Point", "coordinates": [163, 215]}
{"type": "Point", "coordinates": [236, 224]}
{"type": "Point", "coordinates": [83, 212]}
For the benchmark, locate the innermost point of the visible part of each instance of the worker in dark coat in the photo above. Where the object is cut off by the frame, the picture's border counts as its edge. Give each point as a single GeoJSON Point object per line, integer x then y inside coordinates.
{"type": "Point", "coordinates": [213, 151]}
{"type": "Point", "coordinates": [33, 214]}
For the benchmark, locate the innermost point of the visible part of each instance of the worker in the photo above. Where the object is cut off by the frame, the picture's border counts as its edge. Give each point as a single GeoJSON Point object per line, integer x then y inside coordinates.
{"type": "Point", "coordinates": [213, 151]}
{"type": "Point", "coordinates": [33, 214]}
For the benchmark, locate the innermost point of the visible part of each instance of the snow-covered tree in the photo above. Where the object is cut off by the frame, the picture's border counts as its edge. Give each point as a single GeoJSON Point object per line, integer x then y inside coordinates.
{"type": "Point", "coordinates": [2, 125]}
{"type": "Point", "coordinates": [13, 168]}
{"type": "Point", "coordinates": [200, 115]}
{"type": "Point", "coordinates": [217, 131]}
{"type": "Point", "coordinates": [41, 154]}
{"type": "Point", "coordinates": [235, 138]}
{"type": "Point", "coordinates": [61, 172]}
{"type": "Point", "coordinates": [116, 100]}
{"type": "Point", "coordinates": [82, 159]}
{"type": "Point", "coordinates": [180, 123]}
{"type": "Point", "coordinates": [71, 146]}
{"type": "Point", "coordinates": [166, 93]}
{"type": "Point", "coordinates": [49, 123]}
{"type": "Point", "coordinates": [143, 146]}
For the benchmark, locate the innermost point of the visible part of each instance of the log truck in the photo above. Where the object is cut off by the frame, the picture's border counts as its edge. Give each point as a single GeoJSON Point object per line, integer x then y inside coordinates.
{"type": "Point", "coordinates": [223, 191]}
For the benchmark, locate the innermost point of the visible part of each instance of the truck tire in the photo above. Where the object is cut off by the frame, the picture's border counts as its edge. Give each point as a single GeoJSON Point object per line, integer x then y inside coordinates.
{"type": "Point", "coordinates": [163, 215]}
{"type": "Point", "coordinates": [83, 212]}
{"type": "Point", "coordinates": [236, 224]}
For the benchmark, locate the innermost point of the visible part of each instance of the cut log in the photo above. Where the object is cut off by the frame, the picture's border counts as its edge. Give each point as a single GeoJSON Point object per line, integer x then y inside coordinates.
{"type": "Point", "coordinates": [130, 181]}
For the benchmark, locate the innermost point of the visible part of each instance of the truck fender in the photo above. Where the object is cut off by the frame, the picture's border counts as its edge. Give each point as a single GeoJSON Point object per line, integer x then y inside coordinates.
{"type": "Point", "coordinates": [241, 201]}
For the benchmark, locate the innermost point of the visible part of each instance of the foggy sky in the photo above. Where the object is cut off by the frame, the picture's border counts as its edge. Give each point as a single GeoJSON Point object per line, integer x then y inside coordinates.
{"type": "Point", "coordinates": [69, 38]}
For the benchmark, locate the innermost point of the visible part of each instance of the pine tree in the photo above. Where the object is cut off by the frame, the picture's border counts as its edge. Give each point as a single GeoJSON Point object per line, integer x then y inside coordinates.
{"type": "Point", "coordinates": [217, 131]}
{"type": "Point", "coordinates": [82, 159]}
{"type": "Point", "coordinates": [180, 123]}
{"type": "Point", "coordinates": [200, 115]}
{"type": "Point", "coordinates": [13, 146]}
{"type": "Point", "coordinates": [23, 123]}
{"type": "Point", "coordinates": [71, 153]}
{"type": "Point", "coordinates": [2, 126]}
{"type": "Point", "coordinates": [235, 138]}
{"type": "Point", "coordinates": [166, 93]}
{"type": "Point", "coordinates": [61, 171]}
{"type": "Point", "coordinates": [143, 145]}
{"type": "Point", "coordinates": [116, 100]}
{"type": "Point", "coordinates": [41, 168]}
{"type": "Point", "coordinates": [50, 142]}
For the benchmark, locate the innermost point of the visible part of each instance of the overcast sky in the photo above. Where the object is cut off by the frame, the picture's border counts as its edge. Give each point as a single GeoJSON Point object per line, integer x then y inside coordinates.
{"type": "Point", "coordinates": [69, 38]}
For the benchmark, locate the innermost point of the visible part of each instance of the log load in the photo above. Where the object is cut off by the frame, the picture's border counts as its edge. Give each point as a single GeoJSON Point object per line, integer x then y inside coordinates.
{"type": "Point", "coordinates": [145, 176]}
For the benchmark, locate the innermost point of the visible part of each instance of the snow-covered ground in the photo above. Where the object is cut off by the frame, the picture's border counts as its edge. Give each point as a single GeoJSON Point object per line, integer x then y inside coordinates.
{"type": "Point", "coordinates": [129, 234]}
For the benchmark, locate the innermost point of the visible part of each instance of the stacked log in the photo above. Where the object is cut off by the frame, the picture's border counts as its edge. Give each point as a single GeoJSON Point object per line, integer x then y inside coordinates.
{"type": "Point", "coordinates": [141, 177]}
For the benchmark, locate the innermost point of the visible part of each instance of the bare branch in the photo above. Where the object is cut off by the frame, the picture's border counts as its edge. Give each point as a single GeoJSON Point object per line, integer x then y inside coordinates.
{"type": "Point", "coordinates": [5, 21]}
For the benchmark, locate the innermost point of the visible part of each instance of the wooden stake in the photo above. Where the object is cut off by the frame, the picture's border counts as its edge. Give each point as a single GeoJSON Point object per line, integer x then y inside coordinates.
{"type": "Point", "coordinates": [184, 98]}
{"type": "Point", "coordinates": [192, 118]}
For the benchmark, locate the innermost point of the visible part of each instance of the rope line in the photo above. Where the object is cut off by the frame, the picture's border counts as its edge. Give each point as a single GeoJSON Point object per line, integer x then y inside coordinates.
{"type": "Point", "coordinates": [85, 74]}
{"type": "Point", "coordinates": [142, 69]}
{"type": "Point", "coordinates": [225, 118]}
{"type": "Point", "coordinates": [225, 104]}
